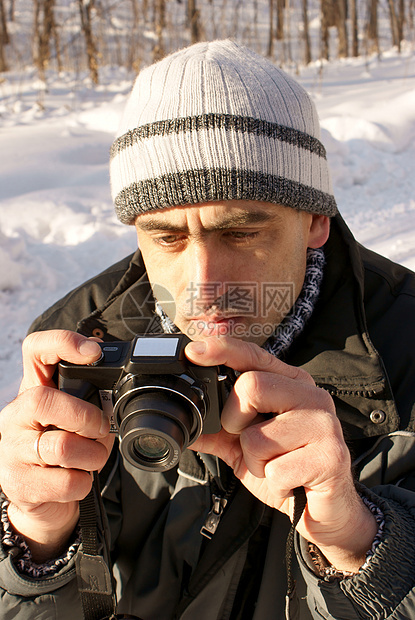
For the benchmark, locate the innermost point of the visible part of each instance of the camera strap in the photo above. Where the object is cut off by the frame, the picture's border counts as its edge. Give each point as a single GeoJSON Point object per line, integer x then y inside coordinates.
{"type": "Point", "coordinates": [291, 599]}
{"type": "Point", "coordinates": [94, 577]}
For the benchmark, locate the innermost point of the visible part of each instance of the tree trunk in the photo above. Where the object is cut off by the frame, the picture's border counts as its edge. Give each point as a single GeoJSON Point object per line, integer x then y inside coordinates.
{"type": "Point", "coordinates": [55, 35]}
{"type": "Point", "coordinates": [11, 11]}
{"type": "Point", "coordinates": [355, 32]}
{"type": "Point", "coordinates": [193, 17]}
{"type": "Point", "coordinates": [133, 58]}
{"type": "Point", "coordinates": [394, 25]}
{"type": "Point", "coordinates": [4, 37]}
{"type": "Point", "coordinates": [341, 10]}
{"type": "Point", "coordinates": [372, 30]}
{"type": "Point", "coordinates": [3, 24]}
{"type": "Point", "coordinates": [159, 19]}
{"type": "Point", "coordinates": [401, 20]}
{"type": "Point", "coordinates": [307, 45]}
{"type": "Point", "coordinates": [270, 51]}
{"type": "Point", "coordinates": [43, 27]}
{"type": "Point", "coordinates": [85, 10]}
{"type": "Point", "coordinates": [279, 34]}
{"type": "Point", "coordinates": [287, 31]}
{"type": "Point", "coordinates": [327, 20]}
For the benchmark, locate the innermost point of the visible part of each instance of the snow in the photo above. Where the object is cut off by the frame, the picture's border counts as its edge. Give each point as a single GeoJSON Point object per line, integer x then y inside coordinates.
{"type": "Point", "coordinates": [57, 225]}
{"type": "Point", "coordinates": [367, 112]}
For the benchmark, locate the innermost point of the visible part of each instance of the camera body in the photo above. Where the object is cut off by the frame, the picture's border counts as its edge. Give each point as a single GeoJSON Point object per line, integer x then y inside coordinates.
{"type": "Point", "coordinates": [161, 401]}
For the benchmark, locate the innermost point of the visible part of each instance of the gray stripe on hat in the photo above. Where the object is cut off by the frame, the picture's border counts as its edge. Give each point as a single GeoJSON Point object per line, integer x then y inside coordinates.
{"type": "Point", "coordinates": [216, 149]}
{"type": "Point", "coordinates": [228, 122]}
{"type": "Point", "coordinates": [210, 185]}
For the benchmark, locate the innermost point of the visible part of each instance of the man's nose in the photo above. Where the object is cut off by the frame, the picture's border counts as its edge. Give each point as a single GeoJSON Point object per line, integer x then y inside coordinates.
{"type": "Point", "coordinates": [203, 262]}
{"type": "Point", "coordinates": [207, 272]}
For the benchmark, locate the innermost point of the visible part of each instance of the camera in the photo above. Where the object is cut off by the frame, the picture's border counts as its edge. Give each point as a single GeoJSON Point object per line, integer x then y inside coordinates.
{"type": "Point", "coordinates": [161, 401]}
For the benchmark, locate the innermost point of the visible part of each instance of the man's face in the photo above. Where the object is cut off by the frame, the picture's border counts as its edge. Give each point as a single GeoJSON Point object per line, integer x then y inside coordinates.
{"type": "Point", "coordinates": [228, 268]}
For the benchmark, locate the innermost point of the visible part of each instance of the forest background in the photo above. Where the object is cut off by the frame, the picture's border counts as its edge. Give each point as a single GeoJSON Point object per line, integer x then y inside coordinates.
{"type": "Point", "coordinates": [71, 35]}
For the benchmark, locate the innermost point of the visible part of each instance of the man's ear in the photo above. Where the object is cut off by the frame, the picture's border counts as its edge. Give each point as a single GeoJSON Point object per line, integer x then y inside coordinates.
{"type": "Point", "coordinates": [319, 231]}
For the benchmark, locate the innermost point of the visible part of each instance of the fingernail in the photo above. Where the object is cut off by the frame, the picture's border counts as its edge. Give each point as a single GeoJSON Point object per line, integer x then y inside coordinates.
{"type": "Point", "coordinates": [198, 347]}
{"type": "Point", "coordinates": [105, 425]}
{"type": "Point", "coordinates": [89, 348]}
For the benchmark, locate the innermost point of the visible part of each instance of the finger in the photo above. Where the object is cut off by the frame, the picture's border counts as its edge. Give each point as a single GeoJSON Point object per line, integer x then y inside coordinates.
{"type": "Point", "coordinates": [257, 393]}
{"type": "Point", "coordinates": [308, 467]}
{"type": "Point", "coordinates": [43, 350]}
{"type": "Point", "coordinates": [315, 443]}
{"type": "Point", "coordinates": [38, 485]}
{"type": "Point", "coordinates": [241, 356]}
{"type": "Point", "coordinates": [67, 450]}
{"type": "Point", "coordinates": [41, 407]}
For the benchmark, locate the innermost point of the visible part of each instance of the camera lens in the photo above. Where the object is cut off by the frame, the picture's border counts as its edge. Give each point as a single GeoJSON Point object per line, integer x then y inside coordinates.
{"type": "Point", "coordinates": [151, 447]}
{"type": "Point", "coordinates": [155, 426]}
{"type": "Point", "coordinates": [152, 441]}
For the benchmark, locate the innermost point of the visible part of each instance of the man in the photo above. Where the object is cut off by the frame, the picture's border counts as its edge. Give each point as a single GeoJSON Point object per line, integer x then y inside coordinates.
{"type": "Point", "coordinates": [218, 164]}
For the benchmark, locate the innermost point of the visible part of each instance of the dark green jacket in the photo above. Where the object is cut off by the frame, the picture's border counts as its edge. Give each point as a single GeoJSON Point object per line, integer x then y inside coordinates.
{"type": "Point", "coordinates": [359, 345]}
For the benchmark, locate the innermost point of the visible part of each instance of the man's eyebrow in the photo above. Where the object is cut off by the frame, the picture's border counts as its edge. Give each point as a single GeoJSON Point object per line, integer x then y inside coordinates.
{"type": "Point", "coordinates": [152, 223]}
{"type": "Point", "coordinates": [235, 220]}
{"type": "Point", "coordinates": [245, 218]}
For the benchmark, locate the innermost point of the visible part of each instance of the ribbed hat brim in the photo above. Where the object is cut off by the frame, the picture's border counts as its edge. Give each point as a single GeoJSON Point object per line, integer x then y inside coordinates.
{"type": "Point", "coordinates": [218, 157]}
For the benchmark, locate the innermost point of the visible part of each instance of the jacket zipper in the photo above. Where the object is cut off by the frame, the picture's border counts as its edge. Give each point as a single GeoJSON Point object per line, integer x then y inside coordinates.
{"type": "Point", "coordinates": [363, 393]}
{"type": "Point", "coordinates": [219, 503]}
{"type": "Point", "coordinates": [215, 514]}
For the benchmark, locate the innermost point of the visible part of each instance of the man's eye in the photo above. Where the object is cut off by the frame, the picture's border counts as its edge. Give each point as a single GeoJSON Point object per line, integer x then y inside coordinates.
{"type": "Point", "coordinates": [166, 239]}
{"type": "Point", "coordinates": [242, 235]}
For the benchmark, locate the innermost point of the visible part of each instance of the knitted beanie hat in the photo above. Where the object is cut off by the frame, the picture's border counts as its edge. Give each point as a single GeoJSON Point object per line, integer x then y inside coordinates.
{"type": "Point", "coordinates": [216, 121]}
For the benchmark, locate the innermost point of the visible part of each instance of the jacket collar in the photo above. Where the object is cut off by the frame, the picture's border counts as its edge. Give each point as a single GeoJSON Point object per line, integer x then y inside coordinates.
{"type": "Point", "coordinates": [338, 324]}
{"type": "Point", "coordinates": [335, 348]}
{"type": "Point", "coordinates": [128, 310]}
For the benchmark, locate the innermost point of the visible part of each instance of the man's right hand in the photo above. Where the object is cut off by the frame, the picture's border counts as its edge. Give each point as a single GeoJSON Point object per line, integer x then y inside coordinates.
{"type": "Point", "coordinates": [45, 474]}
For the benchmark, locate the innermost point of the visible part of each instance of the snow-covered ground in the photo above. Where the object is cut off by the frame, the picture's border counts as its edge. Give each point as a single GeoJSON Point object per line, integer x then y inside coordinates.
{"type": "Point", "coordinates": [57, 226]}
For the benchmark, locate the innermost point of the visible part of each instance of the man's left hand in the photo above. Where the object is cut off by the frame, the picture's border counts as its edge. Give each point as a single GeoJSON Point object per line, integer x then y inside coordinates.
{"type": "Point", "coordinates": [302, 444]}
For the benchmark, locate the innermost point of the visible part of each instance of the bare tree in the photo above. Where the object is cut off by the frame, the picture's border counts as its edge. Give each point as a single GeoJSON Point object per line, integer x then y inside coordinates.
{"type": "Point", "coordinates": [270, 50]}
{"type": "Point", "coordinates": [328, 19]}
{"type": "Point", "coordinates": [372, 28]}
{"type": "Point", "coordinates": [256, 19]}
{"type": "Point", "coordinates": [193, 17]}
{"type": "Point", "coordinates": [334, 13]}
{"type": "Point", "coordinates": [341, 16]}
{"type": "Point", "coordinates": [411, 14]}
{"type": "Point", "coordinates": [11, 11]}
{"type": "Point", "coordinates": [287, 31]}
{"type": "Point", "coordinates": [55, 36]}
{"type": "Point", "coordinates": [4, 37]}
{"type": "Point", "coordinates": [159, 22]}
{"type": "Point", "coordinates": [44, 27]}
{"type": "Point", "coordinates": [307, 45]}
{"type": "Point", "coordinates": [132, 59]}
{"type": "Point", "coordinates": [355, 31]}
{"type": "Point", "coordinates": [86, 8]}
{"type": "Point", "coordinates": [401, 19]}
{"type": "Point", "coordinates": [394, 24]}
{"type": "Point", "coordinates": [279, 34]}
{"type": "Point", "coordinates": [139, 11]}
